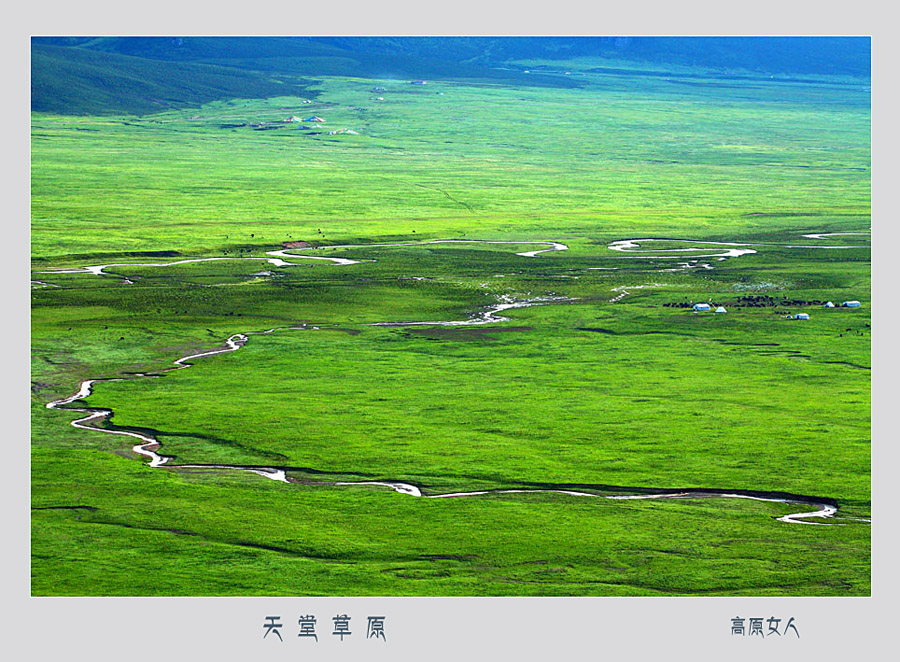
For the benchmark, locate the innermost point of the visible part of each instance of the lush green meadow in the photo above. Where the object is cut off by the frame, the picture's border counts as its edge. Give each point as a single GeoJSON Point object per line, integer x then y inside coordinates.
{"type": "Point", "coordinates": [619, 387]}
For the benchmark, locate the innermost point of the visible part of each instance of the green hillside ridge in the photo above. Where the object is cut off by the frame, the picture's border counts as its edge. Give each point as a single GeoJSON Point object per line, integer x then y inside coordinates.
{"type": "Point", "coordinates": [77, 81]}
{"type": "Point", "coordinates": [113, 75]}
{"type": "Point", "coordinates": [140, 75]}
{"type": "Point", "coordinates": [772, 55]}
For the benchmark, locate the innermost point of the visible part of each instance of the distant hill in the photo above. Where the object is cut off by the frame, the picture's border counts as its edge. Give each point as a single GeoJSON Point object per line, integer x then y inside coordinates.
{"type": "Point", "coordinates": [102, 75]}
{"type": "Point", "coordinates": [144, 74]}
{"type": "Point", "coordinates": [774, 55]}
{"type": "Point", "coordinates": [850, 56]}
{"type": "Point", "coordinates": [80, 81]}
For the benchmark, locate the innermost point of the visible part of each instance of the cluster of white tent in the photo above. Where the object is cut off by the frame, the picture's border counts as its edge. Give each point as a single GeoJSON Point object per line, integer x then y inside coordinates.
{"type": "Point", "coordinates": [705, 307]}
{"type": "Point", "coordinates": [294, 118]}
{"type": "Point", "coordinates": [316, 118]}
{"type": "Point", "coordinates": [845, 304]}
{"type": "Point", "coordinates": [830, 304]}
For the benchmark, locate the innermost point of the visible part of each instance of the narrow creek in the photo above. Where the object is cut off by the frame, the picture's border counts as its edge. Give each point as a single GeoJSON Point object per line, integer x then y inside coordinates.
{"type": "Point", "coordinates": [97, 419]}
{"type": "Point", "coordinates": [276, 257]}
{"type": "Point", "coordinates": [149, 446]}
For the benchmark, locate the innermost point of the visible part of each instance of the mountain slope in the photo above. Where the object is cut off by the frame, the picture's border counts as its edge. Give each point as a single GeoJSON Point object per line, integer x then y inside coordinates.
{"type": "Point", "coordinates": [80, 81]}
{"type": "Point", "coordinates": [773, 55]}
{"type": "Point", "coordinates": [103, 75]}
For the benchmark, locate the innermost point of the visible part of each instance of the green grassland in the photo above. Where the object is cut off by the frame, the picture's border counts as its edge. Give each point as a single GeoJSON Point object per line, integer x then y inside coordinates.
{"type": "Point", "coordinates": [604, 390]}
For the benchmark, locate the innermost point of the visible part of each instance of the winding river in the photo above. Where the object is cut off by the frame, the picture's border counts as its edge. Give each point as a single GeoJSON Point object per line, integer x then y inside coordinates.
{"type": "Point", "coordinates": [734, 249]}
{"type": "Point", "coordinates": [148, 446]}
{"type": "Point", "coordinates": [276, 257]}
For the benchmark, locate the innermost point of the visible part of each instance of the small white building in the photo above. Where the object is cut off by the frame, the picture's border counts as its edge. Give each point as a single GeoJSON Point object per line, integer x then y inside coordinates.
{"type": "Point", "coordinates": [721, 309]}
{"type": "Point", "coordinates": [698, 307]}
{"type": "Point", "coordinates": [851, 304]}
{"type": "Point", "coordinates": [829, 305]}
{"type": "Point", "coordinates": [801, 316]}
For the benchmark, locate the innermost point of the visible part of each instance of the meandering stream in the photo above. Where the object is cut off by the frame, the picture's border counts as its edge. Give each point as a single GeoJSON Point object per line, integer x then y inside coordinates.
{"type": "Point", "coordinates": [636, 247]}
{"type": "Point", "coordinates": [276, 257]}
{"type": "Point", "coordinates": [148, 446]}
